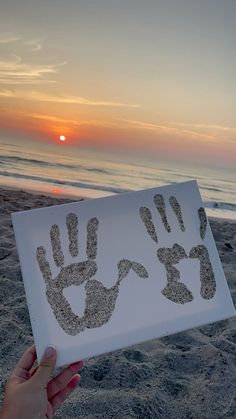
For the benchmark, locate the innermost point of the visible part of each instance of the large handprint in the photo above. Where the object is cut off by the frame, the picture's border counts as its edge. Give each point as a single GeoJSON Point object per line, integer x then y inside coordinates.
{"type": "Point", "coordinates": [175, 290]}
{"type": "Point", "coordinates": [100, 301]}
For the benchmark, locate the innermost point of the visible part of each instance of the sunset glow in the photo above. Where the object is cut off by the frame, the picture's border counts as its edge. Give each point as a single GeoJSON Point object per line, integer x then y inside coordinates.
{"type": "Point", "coordinates": [151, 96]}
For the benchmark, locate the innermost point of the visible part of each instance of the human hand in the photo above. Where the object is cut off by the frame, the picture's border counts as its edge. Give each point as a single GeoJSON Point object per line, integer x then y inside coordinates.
{"type": "Point", "coordinates": [30, 395]}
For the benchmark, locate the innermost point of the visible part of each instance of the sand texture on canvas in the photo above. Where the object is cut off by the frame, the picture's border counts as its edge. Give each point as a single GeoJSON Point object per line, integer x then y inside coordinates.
{"type": "Point", "coordinates": [187, 375]}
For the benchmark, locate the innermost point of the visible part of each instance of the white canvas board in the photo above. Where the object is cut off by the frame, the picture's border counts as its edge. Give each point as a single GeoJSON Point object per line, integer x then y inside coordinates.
{"type": "Point", "coordinates": [106, 273]}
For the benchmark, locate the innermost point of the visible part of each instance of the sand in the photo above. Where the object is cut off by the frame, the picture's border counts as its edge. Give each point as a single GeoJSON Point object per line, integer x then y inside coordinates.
{"type": "Point", "coordinates": [186, 375]}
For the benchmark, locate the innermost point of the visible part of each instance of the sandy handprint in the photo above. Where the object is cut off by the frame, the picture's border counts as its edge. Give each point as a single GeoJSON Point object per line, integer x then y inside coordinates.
{"type": "Point", "coordinates": [175, 290]}
{"type": "Point", "coordinates": [99, 301]}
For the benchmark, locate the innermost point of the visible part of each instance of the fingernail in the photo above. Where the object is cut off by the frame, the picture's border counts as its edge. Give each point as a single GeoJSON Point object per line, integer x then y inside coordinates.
{"type": "Point", "coordinates": [50, 352]}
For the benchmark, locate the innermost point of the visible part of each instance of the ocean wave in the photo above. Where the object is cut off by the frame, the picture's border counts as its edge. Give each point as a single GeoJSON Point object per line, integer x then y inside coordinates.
{"type": "Point", "coordinates": [65, 183]}
{"type": "Point", "coordinates": [209, 188]}
{"type": "Point", "coordinates": [14, 159]}
{"type": "Point", "coordinates": [96, 170]}
{"type": "Point", "coordinates": [220, 205]}
{"type": "Point", "coordinates": [43, 163]}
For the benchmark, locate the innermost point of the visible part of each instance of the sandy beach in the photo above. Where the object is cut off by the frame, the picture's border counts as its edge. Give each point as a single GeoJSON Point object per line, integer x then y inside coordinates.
{"type": "Point", "coordinates": [187, 375]}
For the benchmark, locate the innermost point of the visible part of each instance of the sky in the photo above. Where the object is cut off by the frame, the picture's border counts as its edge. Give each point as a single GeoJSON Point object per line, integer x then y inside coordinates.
{"type": "Point", "coordinates": [153, 77]}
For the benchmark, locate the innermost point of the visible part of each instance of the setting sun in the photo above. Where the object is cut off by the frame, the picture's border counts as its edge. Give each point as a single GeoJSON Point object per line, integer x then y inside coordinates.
{"type": "Point", "coordinates": [62, 138]}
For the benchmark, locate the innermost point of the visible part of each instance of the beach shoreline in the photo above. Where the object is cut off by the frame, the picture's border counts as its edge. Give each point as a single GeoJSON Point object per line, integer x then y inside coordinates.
{"type": "Point", "coordinates": [177, 376]}
{"type": "Point", "coordinates": [70, 197]}
{"type": "Point", "coordinates": [38, 192]}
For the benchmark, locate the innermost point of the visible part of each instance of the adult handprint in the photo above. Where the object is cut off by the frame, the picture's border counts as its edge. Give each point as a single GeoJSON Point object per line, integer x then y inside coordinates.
{"type": "Point", "coordinates": [74, 274]}
{"type": "Point", "coordinates": [100, 301]}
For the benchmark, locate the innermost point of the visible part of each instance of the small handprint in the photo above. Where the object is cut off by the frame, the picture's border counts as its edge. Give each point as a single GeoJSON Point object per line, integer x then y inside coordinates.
{"type": "Point", "coordinates": [175, 290]}
{"type": "Point", "coordinates": [99, 301]}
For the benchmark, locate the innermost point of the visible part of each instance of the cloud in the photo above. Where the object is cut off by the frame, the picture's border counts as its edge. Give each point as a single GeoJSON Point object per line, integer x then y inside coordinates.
{"type": "Point", "coordinates": [148, 125]}
{"type": "Point", "coordinates": [8, 38]}
{"type": "Point", "coordinates": [51, 118]}
{"type": "Point", "coordinates": [169, 128]}
{"type": "Point", "coordinates": [34, 44]}
{"type": "Point", "coordinates": [71, 122]}
{"type": "Point", "coordinates": [66, 99]}
{"type": "Point", "coordinates": [204, 126]}
{"type": "Point", "coordinates": [14, 71]}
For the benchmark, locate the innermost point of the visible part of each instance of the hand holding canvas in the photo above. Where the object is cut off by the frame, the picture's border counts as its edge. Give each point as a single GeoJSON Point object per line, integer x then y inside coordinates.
{"type": "Point", "coordinates": [29, 393]}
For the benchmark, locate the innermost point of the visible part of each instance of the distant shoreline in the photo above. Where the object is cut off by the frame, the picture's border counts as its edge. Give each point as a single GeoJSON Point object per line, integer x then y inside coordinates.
{"type": "Point", "coordinates": [69, 197]}
{"type": "Point", "coordinates": [42, 193]}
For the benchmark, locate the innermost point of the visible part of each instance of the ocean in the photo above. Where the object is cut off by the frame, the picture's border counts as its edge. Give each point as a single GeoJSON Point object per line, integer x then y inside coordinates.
{"type": "Point", "coordinates": [61, 170]}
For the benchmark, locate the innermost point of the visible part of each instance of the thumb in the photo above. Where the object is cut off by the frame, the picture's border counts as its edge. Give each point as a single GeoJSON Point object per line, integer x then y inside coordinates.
{"type": "Point", "coordinates": [46, 366]}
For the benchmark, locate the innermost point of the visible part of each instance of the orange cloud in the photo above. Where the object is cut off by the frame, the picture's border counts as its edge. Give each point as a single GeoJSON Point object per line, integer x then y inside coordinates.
{"type": "Point", "coordinates": [65, 99]}
{"type": "Point", "coordinates": [14, 72]}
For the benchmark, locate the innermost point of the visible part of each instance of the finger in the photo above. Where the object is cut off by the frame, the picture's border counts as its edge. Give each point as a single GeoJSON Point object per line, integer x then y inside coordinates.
{"type": "Point", "coordinates": [21, 371]}
{"type": "Point", "coordinates": [43, 264]}
{"type": "Point", "coordinates": [139, 269]}
{"type": "Point", "coordinates": [72, 228]}
{"type": "Point", "coordinates": [146, 217]}
{"type": "Point", "coordinates": [33, 371]}
{"type": "Point", "coordinates": [177, 210]}
{"type": "Point", "coordinates": [49, 412]}
{"type": "Point", "coordinates": [46, 366]}
{"type": "Point", "coordinates": [60, 397]}
{"type": "Point", "coordinates": [56, 245]}
{"type": "Point", "coordinates": [207, 276]}
{"type": "Point", "coordinates": [58, 383]}
{"type": "Point", "coordinates": [203, 222]}
{"type": "Point", "coordinates": [161, 208]}
{"type": "Point", "coordinates": [92, 227]}
{"type": "Point", "coordinates": [124, 266]}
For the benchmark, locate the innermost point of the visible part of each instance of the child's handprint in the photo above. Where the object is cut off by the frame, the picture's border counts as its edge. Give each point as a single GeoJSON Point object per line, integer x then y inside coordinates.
{"type": "Point", "coordinates": [174, 290]}
{"type": "Point", "coordinates": [100, 301]}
